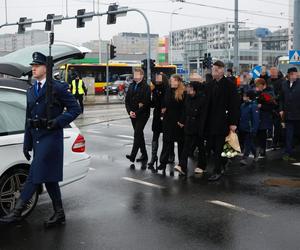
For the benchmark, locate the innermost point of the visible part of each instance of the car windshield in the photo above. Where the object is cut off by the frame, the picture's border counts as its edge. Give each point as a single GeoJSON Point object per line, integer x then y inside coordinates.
{"type": "Point", "coordinates": [12, 111]}
{"type": "Point", "coordinates": [24, 56]}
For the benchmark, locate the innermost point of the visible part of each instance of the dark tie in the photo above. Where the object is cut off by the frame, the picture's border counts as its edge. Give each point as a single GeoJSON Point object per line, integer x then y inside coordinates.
{"type": "Point", "coordinates": [39, 87]}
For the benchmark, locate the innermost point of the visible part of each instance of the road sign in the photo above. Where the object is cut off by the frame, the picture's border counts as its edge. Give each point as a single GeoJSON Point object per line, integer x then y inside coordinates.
{"type": "Point", "coordinates": [294, 56]}
{"type": "Point", "coordinates": [256, 71]}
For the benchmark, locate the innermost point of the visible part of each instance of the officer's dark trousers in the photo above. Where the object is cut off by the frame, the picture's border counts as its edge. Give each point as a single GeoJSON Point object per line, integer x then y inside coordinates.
{"type": "Point", "coordinates": [290, 127]}
{"type": "Point", "coordinates": [215, 144]}
{"type": "Point", "coordinates": [190, 143]}
{"type": "Point", "coordinates": [79, 98]}
{"type": "Point", "coordinates": [139, 139]}
{"type": "Point", "coordinates": [30, 188]}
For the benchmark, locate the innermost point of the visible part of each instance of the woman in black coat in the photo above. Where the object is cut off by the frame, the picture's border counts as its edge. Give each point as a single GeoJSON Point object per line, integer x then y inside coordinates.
{"type": "Point", "coordinates": [193, 121]}
{"type": "Point", "coordinates": [172, 109]}
{"type": "Point", "coordinates": [158, 91]}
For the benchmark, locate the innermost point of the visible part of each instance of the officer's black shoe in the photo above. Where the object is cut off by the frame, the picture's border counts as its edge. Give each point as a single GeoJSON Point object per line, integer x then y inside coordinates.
{"type": "Point", "coordinates": [143, 158]}
{"type": "Point", "coordinates": [129, 157]}
{"type": "Point", "coordinates": [58, 218]}
{"type": "Point", "coordinates": [15, 215]}
{"type": "Point", "coordinates": [215, 177]}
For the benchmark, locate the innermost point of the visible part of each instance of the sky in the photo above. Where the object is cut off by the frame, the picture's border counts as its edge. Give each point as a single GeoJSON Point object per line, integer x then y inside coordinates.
{"type": "Point", "coordinates": [271, 14]}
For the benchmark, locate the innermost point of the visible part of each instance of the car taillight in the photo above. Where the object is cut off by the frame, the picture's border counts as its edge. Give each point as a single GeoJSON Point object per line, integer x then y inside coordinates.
{"type": "Point", "coordinates": [79, 144]}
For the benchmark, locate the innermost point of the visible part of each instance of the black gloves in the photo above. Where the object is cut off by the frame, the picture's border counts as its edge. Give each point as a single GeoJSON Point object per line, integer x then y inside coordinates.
{"type": "Point", "coordinates": [52, 124]}
{"type": "Point", "coordinates": [26, 154]}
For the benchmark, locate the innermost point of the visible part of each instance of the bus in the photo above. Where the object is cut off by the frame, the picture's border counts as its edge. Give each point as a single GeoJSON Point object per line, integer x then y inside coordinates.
{"type": "Point", "coordinates": [98, 72]}
{"type": "Point", "coordinates": [283, 64]}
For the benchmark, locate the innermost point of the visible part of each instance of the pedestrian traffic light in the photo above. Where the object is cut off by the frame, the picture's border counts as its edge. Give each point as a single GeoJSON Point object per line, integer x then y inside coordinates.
{"type": "Point", "coordinates": [112, 18]}
{"type": "Point", "coordinates": [22, 24]}
{"type": "Point", "coordinates": [112, 51]}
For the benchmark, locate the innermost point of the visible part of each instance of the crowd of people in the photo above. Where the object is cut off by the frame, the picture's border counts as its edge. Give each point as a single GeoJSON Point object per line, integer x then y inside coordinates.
{"type": "Point", "coordinates": [201, 113]}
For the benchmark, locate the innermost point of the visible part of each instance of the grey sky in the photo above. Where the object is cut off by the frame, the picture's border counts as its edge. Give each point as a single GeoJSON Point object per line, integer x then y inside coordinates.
{"type": "Point", "coordinates": [159, 23]}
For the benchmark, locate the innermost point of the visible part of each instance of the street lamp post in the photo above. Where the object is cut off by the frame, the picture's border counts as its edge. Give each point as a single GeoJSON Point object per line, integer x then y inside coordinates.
{"type": "Point", "coordinates": [171, 39]}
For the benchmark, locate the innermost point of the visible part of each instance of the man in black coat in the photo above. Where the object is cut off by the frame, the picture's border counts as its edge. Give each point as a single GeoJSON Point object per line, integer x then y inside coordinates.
{"type": "Point", "coordinates": [223, 114]}
{"type": "Point", "coordinates": [138, 100]}
{"type": "Point", "coordinates": [290, 110]}
{"type": "Point", "coordinates": [276, 83]}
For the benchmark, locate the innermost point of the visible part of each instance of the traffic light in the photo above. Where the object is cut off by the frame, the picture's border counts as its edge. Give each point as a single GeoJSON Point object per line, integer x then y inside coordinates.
{"type": "Point", "coordinates": [112, 51]}
{"type": "Point", "coordinates": [57, 19]}
{"type": "Point", "coordinates": [112, 18]}
{"type": "Point", "coordinates": [205, 61]}
{"type": "Point", "coordinates": [48, 22]}
{"type": "Point", "coordinates": [209, 61]}
{"type": "Point", "coordinates": [144, 64]}
{"type": "Point", "coordinates": [22, 24]}
{"type": "Point", "coordinates": [80, 20]}
{"type": "Point", "coordinates": [152, 64]}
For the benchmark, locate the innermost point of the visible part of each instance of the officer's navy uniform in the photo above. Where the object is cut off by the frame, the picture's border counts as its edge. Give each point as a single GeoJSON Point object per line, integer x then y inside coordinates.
{"type": "Point", "coordinates": [46, 139]}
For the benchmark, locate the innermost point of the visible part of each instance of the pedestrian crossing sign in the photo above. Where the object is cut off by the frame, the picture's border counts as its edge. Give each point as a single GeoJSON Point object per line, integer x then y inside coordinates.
{"type": "Point", "coordinates": [294, 56]}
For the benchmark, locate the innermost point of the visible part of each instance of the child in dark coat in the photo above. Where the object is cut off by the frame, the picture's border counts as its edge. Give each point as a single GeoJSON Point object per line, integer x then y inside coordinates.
{"type": "Point", "coordinates": [249, 123]}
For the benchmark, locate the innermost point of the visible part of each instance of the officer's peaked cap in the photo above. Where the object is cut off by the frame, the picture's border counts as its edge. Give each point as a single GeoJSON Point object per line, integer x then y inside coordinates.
{"type": "Point", "coordinates": [38, 59]}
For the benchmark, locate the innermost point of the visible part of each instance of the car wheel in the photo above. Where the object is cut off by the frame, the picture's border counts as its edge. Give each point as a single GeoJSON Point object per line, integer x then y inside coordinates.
{"type": "Point", "coordinates": [11, 185]}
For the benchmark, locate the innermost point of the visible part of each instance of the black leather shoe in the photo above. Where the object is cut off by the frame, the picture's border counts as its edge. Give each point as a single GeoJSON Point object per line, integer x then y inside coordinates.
{"type": "Point", "coordinates": [215, 177]}
{"type": "Point", "coordinates": [129, 157]}
{"type": "Point", "coordinates": [15, 215]}
{"type": "Point", "coordinates": [143, 158]}
{"type": "Point", "coordinates": [58, 218]}
{"type": "Point", "coordinates": [162, 167]}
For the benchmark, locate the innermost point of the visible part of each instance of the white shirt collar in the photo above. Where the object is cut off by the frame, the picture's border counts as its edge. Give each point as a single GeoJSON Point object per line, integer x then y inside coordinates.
{"type": "Point", "coordinates": [42, 82]}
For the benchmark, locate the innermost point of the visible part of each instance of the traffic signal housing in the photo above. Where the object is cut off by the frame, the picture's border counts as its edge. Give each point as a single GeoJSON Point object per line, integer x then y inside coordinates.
{"type": "Point", "coordinates": [112, 51]}
{"type": "Point", "coordinates": [80, 20]}
{"type": "Point", "coordinates": [22, 24]}
{"type": "Point", "coordinates": [112, 18]}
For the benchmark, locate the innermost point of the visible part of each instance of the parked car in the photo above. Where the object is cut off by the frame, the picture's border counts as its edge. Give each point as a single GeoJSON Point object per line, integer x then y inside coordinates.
{"type": "Point", "coordinates": [14, 168]}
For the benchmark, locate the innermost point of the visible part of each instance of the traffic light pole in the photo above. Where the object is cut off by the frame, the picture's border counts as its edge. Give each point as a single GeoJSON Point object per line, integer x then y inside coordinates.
{"type": "Point", "coordinates": [107, 72]}
{"type": "Point", "coordinates": [90, 15]}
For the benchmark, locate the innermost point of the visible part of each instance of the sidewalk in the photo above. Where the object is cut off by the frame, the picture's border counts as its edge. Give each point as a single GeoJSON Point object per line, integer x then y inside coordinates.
{"type": "Point", "coordinates": [102, 100]}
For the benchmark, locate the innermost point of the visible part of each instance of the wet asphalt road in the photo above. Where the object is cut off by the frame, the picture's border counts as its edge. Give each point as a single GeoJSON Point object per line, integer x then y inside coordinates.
{"type": "Point", "coordinates": [115, 207]}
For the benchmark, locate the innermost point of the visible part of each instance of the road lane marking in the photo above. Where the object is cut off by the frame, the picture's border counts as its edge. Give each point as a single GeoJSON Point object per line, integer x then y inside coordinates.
{"type": "Point", "coordinates": [149, 184]}
{"type": "Point", "coordinates": [239, 209]}
{"type": "Point", "coordinates": [125, 136]}
{"type": "Point", "coordinates": [92, 169]}
{"type": "Point", "coordinates": [296, 163]}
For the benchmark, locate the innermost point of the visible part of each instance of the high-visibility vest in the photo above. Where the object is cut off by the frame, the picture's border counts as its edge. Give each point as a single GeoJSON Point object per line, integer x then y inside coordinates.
{"type": "Point", "coordinates": [80, 87]}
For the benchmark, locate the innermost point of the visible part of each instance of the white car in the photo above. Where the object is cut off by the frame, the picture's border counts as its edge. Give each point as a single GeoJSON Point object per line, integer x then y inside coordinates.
{"type": "Point", "coordinates": [13, 165]}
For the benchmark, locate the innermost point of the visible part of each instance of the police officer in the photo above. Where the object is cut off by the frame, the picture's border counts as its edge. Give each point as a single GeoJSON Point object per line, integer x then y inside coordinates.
{"type": "Point", "coordinates": [79, 89]}
{"type": "Point", "coordinates": [45, 138]}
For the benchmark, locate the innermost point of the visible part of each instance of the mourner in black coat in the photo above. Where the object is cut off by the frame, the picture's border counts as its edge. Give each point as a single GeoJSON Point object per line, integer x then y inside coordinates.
{"type": "Point", "coordinates": [137, 103]}
{"type": "Point", "coordinates": [276, 82]}
{"type": "Point", "coordinates": [290, 110]}
{"type": "Point", "coordinates": [158, 92]}
{"type": "Point", "coordinates": [193, 121]}
{"type": "Point", "coordinates": [172, 111]}
{"type": "Point", "coordinates": [223, 115]}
